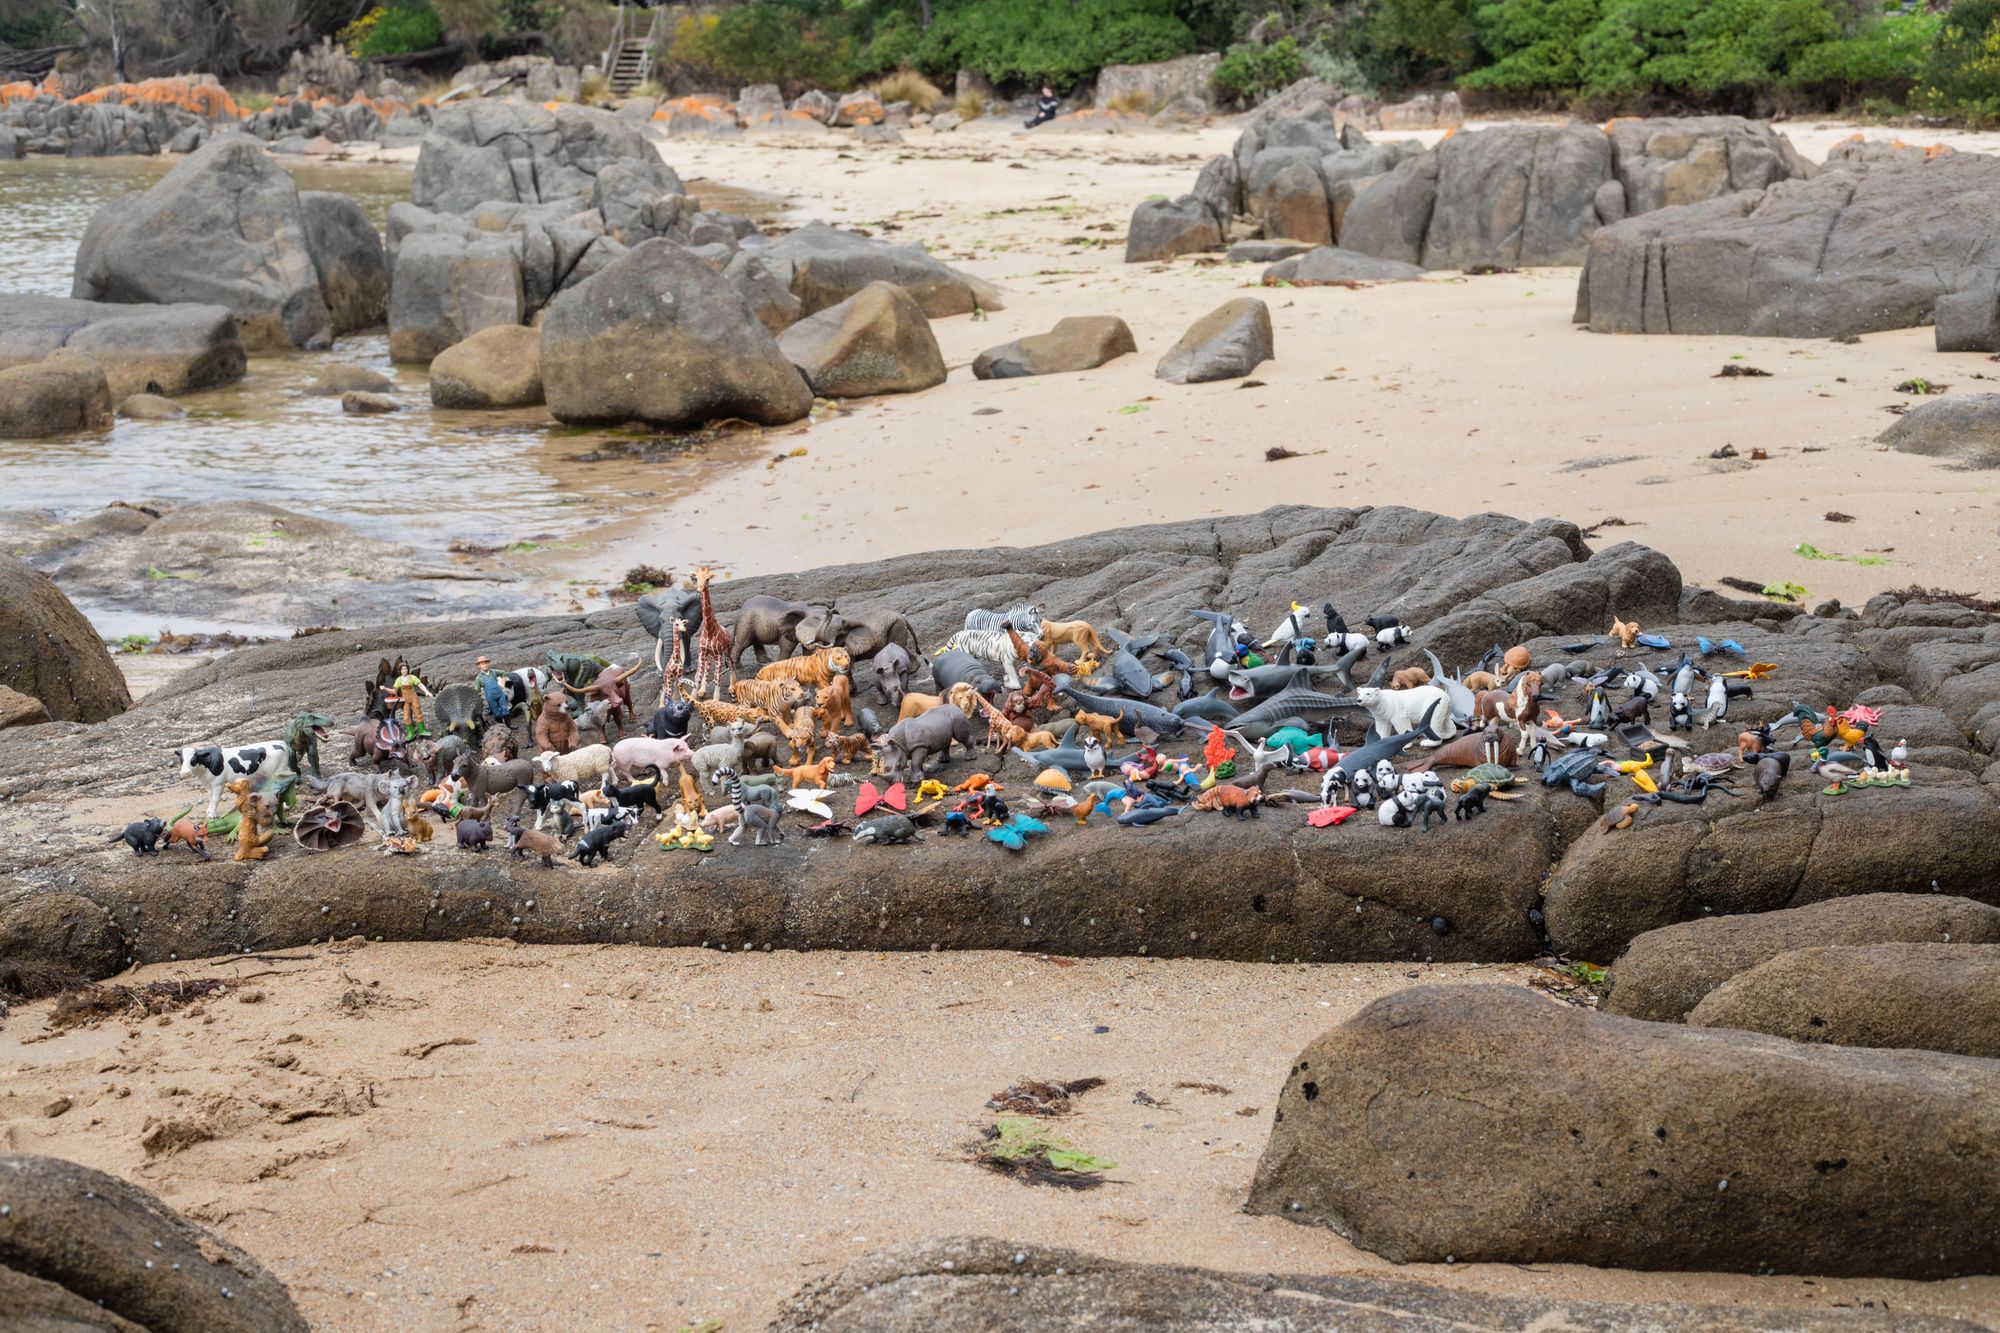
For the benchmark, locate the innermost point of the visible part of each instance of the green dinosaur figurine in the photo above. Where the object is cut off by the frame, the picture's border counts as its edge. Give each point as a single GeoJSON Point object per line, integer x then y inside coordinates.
{"type": "Point", "coordinates": [302, 735]}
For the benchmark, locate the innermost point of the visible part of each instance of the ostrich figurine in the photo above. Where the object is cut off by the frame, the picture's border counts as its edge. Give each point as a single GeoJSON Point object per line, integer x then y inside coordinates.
{"type": "Point", "coordinates": [714, 649]}
{"type": "Point", "coordinates": [672, 669]}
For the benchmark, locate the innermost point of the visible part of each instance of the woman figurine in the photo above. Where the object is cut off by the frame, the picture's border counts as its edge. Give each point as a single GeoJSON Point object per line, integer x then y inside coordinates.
{"type": "Point", "coordinates": [408, 687]}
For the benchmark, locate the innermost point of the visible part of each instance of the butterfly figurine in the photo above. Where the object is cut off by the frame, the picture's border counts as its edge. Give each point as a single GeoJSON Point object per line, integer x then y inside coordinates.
{"type": "Point", "coordinates": [811, 801]}
{"type": "Point", "coordinates": [1014, 834]}
{"type": "Point", "coordinates": [867, 797]}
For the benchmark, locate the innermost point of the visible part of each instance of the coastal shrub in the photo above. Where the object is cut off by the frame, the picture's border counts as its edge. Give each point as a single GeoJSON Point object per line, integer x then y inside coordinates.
{"type": "Point", "coordinates": [1031, 43]}
{"type": "Point", "coordinates": [1535, 45]}
{"type": "Point", "coordinates": [394, 30]}
{"type": "Point", "coordinates": [969, 105]}
{"type": "Point", "coordinates": [1411, 39]}
{"type": "Point", "coordinates": [1962, 70]}
{"type": "Point", "coordinates": [1339, 69]}
{"type": "Point", "coordinates": [1249, 74]}
{"type": "Point", "coordinates": [1703, 47]}
{"type": "Point", "coordinates": [906, 85]}
{"type": "Point", "coordinates": [1884, 60]}
{"type": "Point", "coordinates": [772, 41]}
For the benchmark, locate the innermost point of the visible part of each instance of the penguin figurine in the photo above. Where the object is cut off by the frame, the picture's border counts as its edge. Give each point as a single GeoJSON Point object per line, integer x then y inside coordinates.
{"type": "Point", "coordinates": [1718, 698]}
{"type": "Point", "coordinates": [1600, 709]}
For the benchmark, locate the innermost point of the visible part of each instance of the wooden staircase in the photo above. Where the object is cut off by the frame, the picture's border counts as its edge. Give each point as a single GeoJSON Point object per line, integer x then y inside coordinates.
{"type": "Point", "coordinates": [628, 60]}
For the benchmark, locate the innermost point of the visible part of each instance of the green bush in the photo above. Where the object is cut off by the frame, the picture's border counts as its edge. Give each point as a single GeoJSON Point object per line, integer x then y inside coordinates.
{"type": "Point", "coordinates": [773, 41]}
{"type": "Point", "coordinates": [394, 30]}
{"type": "Point", "coordinates": [1703, 47]}
{"type": "Point", "coordinates": [1033, 43]}
{"type": "Point", "coordinates": [1882, 61]}
{"type": "Point", "coordinates": [1536, 45]}
{"type": "Point", "coordinates": [1962, 72]}
{"type": "Point", "coordinates": [35, 23]}
{"type": "Point", "coordinates": [1250, 74]}
{"type": "Point", "coordinates": [1340, 69]}
{"type": "Point", "coordinates": [1415, 38]}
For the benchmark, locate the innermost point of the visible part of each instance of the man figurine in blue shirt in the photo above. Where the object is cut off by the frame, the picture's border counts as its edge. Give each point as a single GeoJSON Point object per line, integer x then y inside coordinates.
{"type": "Point", "coordinates": [491, 684]}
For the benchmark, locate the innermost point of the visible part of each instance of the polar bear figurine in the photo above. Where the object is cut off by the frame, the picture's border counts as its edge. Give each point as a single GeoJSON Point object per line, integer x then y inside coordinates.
{"type": "Point", "coordinates": [1398, 711]}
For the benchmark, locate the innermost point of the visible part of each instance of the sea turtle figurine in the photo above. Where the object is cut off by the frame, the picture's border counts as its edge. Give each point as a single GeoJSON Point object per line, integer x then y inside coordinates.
{"type": "Point", "coordinates": [1571, 769]}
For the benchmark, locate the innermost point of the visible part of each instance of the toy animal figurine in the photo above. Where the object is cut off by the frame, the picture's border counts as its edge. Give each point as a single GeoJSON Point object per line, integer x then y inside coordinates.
{"type": "Point", "coordinates": [526, 842]}
{"type": "Point", "coordinates": [887, 831]}
{"type": "Point", "coordinates": [833, 707]}
{"type": "Point", "coordinates": [1472, 801]}
{"type": "Point", "coordinates": [865, 635]}
{"type": "Point", "coordinates": [1409, 678]}
{"type": "Point", "coordinates": [391, 818]}
{"type": "Point", "coordinates": [801, 735]}
{"type": "Point", "coordinates": [906, 747]}
{"type": "Point", "coordinates": [254, 812]}
{"type": "Point", "coordinates": [715, 650]}
{"type": "Point", "coordinates": [1491, 744]}
{"type": "Point", "coordinates": [379, 741]}
{"type": "Point", "coordinates": [772, 622]}
{"type": "Point", "coordinates": [1899, 755]}
{"type": "Point", "coordinates": [1023, 616]}
{"type": "Point", "coordinates": [255, 764]}
{"type": "Point", "coordinates": [665, 615]}
{"type": "Point", "coordinates": [190, 832]}
{"type": "Point", "coordinates": [302, 737]}
{"type": "Point", "coordinates": [611, 685]}
{"type": "Point", "coordinates": [1105, 726]}
{"type": "Point", "coordinates": [1235, 802]}
{"type": "Point", "coordinates": [773, 696]}
{"type": "Point", "coordinates": [725, 753]}
{"type": "Point", "coordinates": [716, 712]}
{"type": "Point", "coordinates": [1397, 711]}
{"type": "Point", "coordinates": [756, 809]}
{"type": "Point", "coordinates": [849, 747]}
{"type": "Point", "coordinates": [808, 775]}
{"type": "Point", "coordinates": [891, 670]}
{"type": "Point", "coordinates": [595, 845]}
{"type": "Point", "coordinates": [953, 668]}
{"type": "Point", "coordinates": [483, 781]}
{"type": "Point", "coordinates": [639, 796]}
{"type": "Point", "coordinates": [988, 645]}
{"type": "Point", "coordinates": [1625, 631]}
{"type": "Point", "coordinates": [1520, 705]}
{"type": "Point", "coordinates": [1076, 633]}
{"type": "Point", "coordinates": [555, 728]}
{"type": "Point", "coordinates": [142, 836]}
{"type": "Point", "coordinates": [671, 720]}
{"type": "Point", "coordinates": [499, 742]}
{"type": "Point", "coordinates": [1131, 714]}
{"type": "Point", "coordinates": [1414, 805]}
{"type": "Point", "coordinates": [474, 835]}
{"type": "Point", "coordinates": [634, 753]}
{"type": "Point", "coordinates": [1680, 717]}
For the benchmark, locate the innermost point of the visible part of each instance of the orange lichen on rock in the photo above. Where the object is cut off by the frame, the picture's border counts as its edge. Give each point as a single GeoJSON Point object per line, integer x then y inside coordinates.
{"type": "Point", "coordinates": [704, 105]}
{"type": "Point", "coordinates": [18, 92]}
{"type": "Point", "coordinates": [198, 99]}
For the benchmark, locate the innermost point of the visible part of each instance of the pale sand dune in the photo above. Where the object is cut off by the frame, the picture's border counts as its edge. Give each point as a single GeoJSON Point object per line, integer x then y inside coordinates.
{"type": "Point", "coordinates": [640, 1138]}
{"type": "Point", "coordinates": [1454, 394]}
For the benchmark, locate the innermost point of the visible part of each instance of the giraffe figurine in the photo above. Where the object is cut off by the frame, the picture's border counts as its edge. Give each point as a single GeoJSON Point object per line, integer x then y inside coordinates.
{"type": "Point", "coordinates": [672, 669]}
{"type": "Point", "coordinates": [714, 650]}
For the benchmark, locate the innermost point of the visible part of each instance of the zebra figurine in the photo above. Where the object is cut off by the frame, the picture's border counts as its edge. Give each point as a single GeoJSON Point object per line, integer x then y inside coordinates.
{"type": "Point", "coordinates": [1025, 617]}
{"type": "Point", "coordinates": [989, 645]}
{"type": "Point", "coordinates": [756, 809]}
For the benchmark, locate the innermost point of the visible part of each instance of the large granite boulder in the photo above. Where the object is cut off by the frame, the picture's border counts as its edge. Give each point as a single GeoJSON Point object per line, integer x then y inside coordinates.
{"type": "Point", "coordinates": [972, 1284]}
{"type": "Point", "coordinates": [876, 341]}
{"type": "Point", "coordinates": [81, 1249]}
{"type": "Point", "coordinates": [499, 366]}
{"type": "Point", "coordinates": [824, 265]}
{"type": "Point", "coordinates": [347, 253]}
{"type": "Point", "coordinates": [768, 293]}
{"type": "Point", "coordinates": [65, 391]}
{"type": "Point", "coordinates": [1487, 1123]}
{"type": "Point", "coordinates": [1511, 196]}
{"type": "Point", "coordinates": [658, 336]}
{"type": "Point", "coordinates": [1163, 229]}
{"type": "Point", "coordinates": [517, 152]}
{"type": "Point", "coordinates": [224, 227]}
{"type": "Point", "coordinates": [1079, 342]}
{"type": "Point", "coordinates": [1669, 161]}
{"type": "Point", "coordinates": [1847, 252]}
{"type": "Point", "coordinates": [1963, 428]}
{"type": "Point", "coordinates": [1927, 997]}
{"type": "Point", "coordinates": [1667, 972]}
{"type": "Point", "coordinates": [1326, 264]}
{"type": "Point", "coordinates": [449, 287]}
{"type": "Point", "coordinates": [1686, 862]}
{"type": "Point", "coordinates": [177, 347]}
{"type": "Point", "coordinates": [1286, 193]}
{"type": "Point", "coordinates": [1227, 343]}
{"type": "Point", "coordinates": [48, 651]}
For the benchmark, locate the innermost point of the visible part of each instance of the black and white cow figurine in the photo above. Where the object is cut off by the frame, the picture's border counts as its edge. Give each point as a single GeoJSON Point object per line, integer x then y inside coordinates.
{"type": "Point", "coordinates": [225, 763]}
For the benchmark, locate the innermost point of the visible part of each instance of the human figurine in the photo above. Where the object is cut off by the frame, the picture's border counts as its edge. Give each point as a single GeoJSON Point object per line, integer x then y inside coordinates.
{"type": "Point", "coordinates": [408, 687]}
{"type": "Point", "coordinates": [1046, 107]}
{"type": "Point", "coordinates": [499, 704]}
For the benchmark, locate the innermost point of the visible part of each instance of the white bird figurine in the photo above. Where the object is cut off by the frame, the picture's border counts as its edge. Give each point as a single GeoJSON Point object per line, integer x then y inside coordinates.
{"type": "Point", "coordinates": [1899, 754]}
{"type": "Point", "coordinates": [1293, 626]}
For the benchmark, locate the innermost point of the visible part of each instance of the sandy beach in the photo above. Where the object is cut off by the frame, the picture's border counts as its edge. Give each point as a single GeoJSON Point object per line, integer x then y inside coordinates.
{"type": "Point", "coordinates": [425, 1136]}
{"type": "Point", "coordinates": [1457, 394]}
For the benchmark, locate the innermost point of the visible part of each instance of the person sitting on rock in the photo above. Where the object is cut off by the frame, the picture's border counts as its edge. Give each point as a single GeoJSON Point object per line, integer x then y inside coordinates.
{"type": "Point", "coordinates": [1046, 107]}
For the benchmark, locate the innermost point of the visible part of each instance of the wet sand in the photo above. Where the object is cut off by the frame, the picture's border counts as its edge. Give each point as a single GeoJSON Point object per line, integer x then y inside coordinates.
{"type": "Point", "coordinates": [1454, 394]}
{"type": "Point", "coordinates": [431, 1136]}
